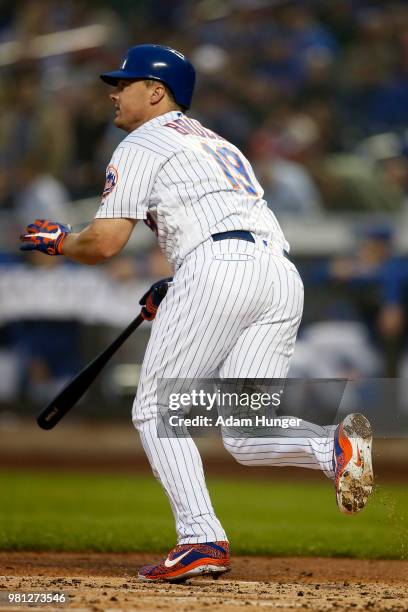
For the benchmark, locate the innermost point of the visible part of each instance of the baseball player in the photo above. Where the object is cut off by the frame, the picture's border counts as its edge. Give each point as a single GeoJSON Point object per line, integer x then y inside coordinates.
{"type": "Point", "coordinates": [232, 308]}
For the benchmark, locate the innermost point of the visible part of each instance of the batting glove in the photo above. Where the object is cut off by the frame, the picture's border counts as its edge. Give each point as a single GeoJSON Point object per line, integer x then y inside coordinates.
{"type": "Point", "coordinates": [45, 236]}
{"type": "Point", "coordinates": [153, 298]}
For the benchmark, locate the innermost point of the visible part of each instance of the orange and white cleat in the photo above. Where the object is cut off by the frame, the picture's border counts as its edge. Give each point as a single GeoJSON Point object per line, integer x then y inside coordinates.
{"type": "Point", "coordinates": [353, 470]}
{"type": "Point", "coordinates": [189, 560]}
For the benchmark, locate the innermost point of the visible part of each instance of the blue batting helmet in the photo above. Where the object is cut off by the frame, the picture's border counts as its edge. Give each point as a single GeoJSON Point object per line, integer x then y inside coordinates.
{"type": "Point", "coordinates": [160, 63]}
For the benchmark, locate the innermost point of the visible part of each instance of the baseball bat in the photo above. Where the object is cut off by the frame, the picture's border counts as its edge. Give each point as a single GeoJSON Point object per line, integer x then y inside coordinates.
{"type": "Point", "coordinates": [75, 389]}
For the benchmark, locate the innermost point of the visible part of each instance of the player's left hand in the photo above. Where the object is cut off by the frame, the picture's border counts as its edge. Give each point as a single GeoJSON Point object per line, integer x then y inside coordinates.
{"type": "Point", "coordinates": [45, 236]}
{"type": "Point", "coordinates": [153, 297]}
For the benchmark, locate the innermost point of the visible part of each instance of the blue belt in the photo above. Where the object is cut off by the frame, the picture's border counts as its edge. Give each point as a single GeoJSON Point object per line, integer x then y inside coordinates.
{"type": "Point", "coordinates": [238, 234]}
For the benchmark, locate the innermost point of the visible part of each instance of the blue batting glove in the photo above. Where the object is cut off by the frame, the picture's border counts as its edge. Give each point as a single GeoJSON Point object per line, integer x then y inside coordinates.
{"type": "Point", "coordinates": [45, 236]}
{"type": "Point", "coordinates": [153, 297]}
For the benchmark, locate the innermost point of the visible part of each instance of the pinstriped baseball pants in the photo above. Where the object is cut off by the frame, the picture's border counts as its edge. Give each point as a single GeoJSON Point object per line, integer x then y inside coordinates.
{"type": "Point", "coordinates": [232, 311]}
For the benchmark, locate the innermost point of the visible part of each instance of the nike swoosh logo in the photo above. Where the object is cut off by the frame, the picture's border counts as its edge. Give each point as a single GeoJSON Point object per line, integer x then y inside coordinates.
{"type": "Point", "coordinates": [170, 562]}
{"type": "Point", "coordinates": [49, 235]}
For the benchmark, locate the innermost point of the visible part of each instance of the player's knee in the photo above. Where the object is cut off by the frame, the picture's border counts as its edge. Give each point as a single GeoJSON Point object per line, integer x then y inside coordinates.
{"type": "Point", "coordinates": [235, 448]}
{"type": "Point", "coordinates": [142, 413]}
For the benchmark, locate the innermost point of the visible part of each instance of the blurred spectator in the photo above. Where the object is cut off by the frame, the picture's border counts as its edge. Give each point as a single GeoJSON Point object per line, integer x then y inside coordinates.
{"type": "Point", "coordinates": [90, 122]}
{"type": "Point", "coordinates": [376, 83]}
{"type": "Point", "coordinates": [224, 116]}
{"type": "Point", "coordinates": [6, 189]}
{"type": "Point", "coordinates": [32, 125]}
{"type": "Point", "coordinates": [149, 264]}
{"type": "Point", "coordinates": [288, 188]}
{"type": "Point", "coordinates": [377, 280]}
{"type": "Point", "coordinates": [389, 153]}
{"type": "Point", "coordinates": [39, 195]}
{"type": "Point", "coordinates": [48, 354]}
{"type": "Point", "coordinates": [44, 353]}
{"type": "Point", "coordinates": [335, 349]}
{"type": "Point", "coordinates": [351, 183]}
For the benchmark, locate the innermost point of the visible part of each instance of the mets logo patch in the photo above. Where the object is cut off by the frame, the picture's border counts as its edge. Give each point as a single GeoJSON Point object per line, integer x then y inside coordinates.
{"type": "Point", "coordinates": [111, 180]}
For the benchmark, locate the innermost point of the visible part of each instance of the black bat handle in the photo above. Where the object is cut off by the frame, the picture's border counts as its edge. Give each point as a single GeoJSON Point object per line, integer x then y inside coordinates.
{"type": "Point", "coordinates": [76, 388]}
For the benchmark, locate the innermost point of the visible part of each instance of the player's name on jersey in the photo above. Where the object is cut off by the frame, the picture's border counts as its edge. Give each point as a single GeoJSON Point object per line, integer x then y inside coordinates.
{"type": "Point", "coordinates": [187, 127]}
{"type": "Point", "coordinates": [231, 421]}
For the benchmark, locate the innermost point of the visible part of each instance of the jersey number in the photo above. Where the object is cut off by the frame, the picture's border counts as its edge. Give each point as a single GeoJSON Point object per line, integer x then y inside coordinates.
{"type": "Point", "coordinates": [233, 168]}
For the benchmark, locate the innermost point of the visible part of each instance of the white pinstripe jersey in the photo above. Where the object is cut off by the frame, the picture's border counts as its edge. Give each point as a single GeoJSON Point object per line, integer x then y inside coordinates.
{"type": "Point", "coordinates": [187, 183]}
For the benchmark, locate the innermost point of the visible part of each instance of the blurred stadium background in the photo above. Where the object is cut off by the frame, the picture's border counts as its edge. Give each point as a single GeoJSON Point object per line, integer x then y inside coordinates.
{"type": "Point", "coordinates": [314, 93]}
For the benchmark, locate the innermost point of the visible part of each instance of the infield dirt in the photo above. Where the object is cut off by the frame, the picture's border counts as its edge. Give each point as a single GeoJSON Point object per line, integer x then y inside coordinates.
{"type": "Point", "coordinates": [97, 582]}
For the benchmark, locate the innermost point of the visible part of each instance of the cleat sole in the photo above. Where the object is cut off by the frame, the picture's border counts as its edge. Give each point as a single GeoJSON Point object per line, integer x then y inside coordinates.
{"type": "Point", "coordinates": [214, 570]}
{"type": "Point", "coordinates": [355, 484]}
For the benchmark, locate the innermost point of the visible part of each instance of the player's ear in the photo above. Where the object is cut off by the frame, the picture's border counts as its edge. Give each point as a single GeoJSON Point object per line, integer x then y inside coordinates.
{"type": "Point", "coordinates": [157, 92]}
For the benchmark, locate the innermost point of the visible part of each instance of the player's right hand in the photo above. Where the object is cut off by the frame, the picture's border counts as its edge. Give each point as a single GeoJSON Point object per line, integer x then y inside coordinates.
{"type": "Point", "coordinates": [45, 236]}
{"type": "Point", "coordinates": [152, 299]}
